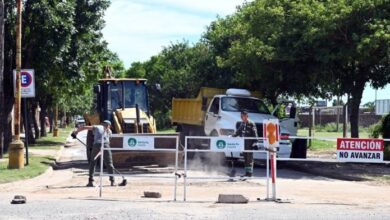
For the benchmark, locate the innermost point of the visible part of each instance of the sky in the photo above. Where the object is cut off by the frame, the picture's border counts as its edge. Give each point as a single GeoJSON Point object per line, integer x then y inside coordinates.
{"type": "Point", "coordinates": [139, 29]}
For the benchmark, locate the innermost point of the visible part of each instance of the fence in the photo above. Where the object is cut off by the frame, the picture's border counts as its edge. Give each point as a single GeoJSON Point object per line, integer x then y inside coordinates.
{"type": "Point", "coordinates": [145, 143]}
{"type": "Point", "coordinates": [223, 145]}
{"type": "Point", "coordinates": [227, 144]}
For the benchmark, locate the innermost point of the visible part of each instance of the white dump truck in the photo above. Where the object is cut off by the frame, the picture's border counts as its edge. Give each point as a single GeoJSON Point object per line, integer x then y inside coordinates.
{"type": "Point", "coordinates": [216, 112]}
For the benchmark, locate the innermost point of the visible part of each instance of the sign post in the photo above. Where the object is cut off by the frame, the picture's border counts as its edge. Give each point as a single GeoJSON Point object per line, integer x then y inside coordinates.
{"type": "Point", "coordinates": [271, 143]}
{"type": "Point", "coordinates": [27, 87]}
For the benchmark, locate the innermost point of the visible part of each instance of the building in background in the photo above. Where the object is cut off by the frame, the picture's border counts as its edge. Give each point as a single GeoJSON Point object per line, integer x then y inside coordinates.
{"type": "Point", "coordinates": [382, 107]}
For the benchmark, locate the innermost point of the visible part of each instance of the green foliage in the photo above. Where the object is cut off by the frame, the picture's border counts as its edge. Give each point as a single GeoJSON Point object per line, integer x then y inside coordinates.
{"type": "Point", "coordinates": [329, 127]}
{"type": "Point", "coordinates": [382, 128]}
{"type": "Point", "coordinates": [37, 166]}
{"type": "Point", "coordinates": [306, 48]}
{"type": "Point", "coordinates": [62, 41]}
{"type": "Point", "coordinates": [180, 70]}
{"type": "Point", "coordinates": [320, 145]}
{"type": "Point", "coordinates": [281, 48]}
{"type": "Point", "coordinates": [375, 130]}
{"type": "Point", "coordinates": [385, 131]}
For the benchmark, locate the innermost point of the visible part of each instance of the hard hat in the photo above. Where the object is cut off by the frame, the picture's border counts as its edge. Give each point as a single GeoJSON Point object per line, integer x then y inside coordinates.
{"type": "Point", "coordinates": [107, 122]}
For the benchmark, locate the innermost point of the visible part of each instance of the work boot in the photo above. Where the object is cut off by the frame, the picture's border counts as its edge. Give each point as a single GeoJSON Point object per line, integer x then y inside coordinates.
{"type": "Point", "coordinates": [90, 184]}
{"type": "Point", "coordinates": [123, 183]}
{"type": "Point", "coordinates": [112, 182]}
{"type": "Point", "coordinates": [245, 176]}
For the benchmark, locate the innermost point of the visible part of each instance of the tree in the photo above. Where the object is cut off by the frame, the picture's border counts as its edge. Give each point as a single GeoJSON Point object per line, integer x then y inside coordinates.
{"type": "Point", "coordinates": [1, 77]}
{"type": "Point", "coordinates": [306, 48]}
{"type": "Point", "coordinates": [9, 55]}
{"type": "Point", "coordinates": [264, 44]}
{"type": "Point", "coordinates": [181, 70]}
{"type": "Point", "coordinates": [359, 40]}
{"type": "Point", "coordinates": [62, 41]}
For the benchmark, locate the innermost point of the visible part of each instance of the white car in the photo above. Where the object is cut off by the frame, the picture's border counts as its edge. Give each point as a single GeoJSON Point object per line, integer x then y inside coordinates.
{"type": "Point", "coordinates": [79, 121]}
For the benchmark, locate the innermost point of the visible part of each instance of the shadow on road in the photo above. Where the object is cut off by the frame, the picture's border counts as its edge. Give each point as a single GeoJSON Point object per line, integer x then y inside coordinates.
{"type": "Point", "coordinates": [78, 164]}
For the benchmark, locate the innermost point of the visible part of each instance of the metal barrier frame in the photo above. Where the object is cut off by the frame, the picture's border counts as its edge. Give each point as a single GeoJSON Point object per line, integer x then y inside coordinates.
{"type": "Point", "coordinates": [176, 150]}
{"type": "Point", "coordinates": [273, 164]}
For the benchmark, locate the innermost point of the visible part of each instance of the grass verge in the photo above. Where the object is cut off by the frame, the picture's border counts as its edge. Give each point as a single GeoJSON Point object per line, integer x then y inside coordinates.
{"type": "Point", "coordinates": [320, 145]}
{"type": "Point", "coordinates": [52, 143]}
{"type": "Point", "coordinates": [38, 164]}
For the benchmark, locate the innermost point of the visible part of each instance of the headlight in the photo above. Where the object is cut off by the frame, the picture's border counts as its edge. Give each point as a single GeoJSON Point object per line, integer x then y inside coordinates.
{"type": "Point", "coordinates": [226, 132]}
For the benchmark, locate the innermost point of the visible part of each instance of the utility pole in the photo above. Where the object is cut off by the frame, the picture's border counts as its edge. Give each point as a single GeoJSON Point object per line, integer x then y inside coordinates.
{"type": "Point", "coordinates": [1, 77]}
{"type": "Point", "coordinates": [16, 148]}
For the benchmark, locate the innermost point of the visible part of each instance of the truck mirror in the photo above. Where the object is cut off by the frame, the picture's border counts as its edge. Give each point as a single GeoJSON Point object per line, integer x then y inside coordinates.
{"type": "Point", "coordinates": [293, 111]}
{"type": "Point", "coordinates": [96, 88]}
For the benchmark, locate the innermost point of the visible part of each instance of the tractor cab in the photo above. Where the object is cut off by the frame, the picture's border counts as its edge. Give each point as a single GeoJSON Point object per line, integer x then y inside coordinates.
{"type": "Point", "coordinates": [125, 103]}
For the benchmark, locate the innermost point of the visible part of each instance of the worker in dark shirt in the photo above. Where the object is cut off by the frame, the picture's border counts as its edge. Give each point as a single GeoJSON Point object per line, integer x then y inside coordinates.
{"type": "Point", "coordinates": [247, 128]}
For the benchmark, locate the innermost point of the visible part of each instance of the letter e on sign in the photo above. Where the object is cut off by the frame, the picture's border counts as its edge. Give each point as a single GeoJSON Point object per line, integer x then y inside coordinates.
{"type": "Point", "coordinates": [25, 79]}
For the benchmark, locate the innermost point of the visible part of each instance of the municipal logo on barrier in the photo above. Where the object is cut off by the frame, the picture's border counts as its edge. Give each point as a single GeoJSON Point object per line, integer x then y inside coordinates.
{"type": "Point", "coordinates": [132, 142]}
{"type": "Point", "coordinates": [221, 144]}
{"type": "Point", "coordinates": [226, 144]}
{"type": "Point", "coordinates": [138, 142]}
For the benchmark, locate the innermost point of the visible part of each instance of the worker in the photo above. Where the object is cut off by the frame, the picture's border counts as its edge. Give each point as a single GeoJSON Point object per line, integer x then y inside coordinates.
{"type": "Point", "coordinates": [101, 133]}
{"type": "Point", "coordinates": [247, 128]}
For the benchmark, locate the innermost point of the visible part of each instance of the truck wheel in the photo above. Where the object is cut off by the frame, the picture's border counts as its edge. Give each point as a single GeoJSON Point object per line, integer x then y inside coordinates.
{"type": "Point", "coordinates": [214, 133]}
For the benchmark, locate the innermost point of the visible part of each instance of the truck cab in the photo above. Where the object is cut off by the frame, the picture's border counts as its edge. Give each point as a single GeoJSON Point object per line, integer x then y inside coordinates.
{"type": "Point", "coordinates": [125, 103]}
{"type": "Point", "coordinates": [223, 117]}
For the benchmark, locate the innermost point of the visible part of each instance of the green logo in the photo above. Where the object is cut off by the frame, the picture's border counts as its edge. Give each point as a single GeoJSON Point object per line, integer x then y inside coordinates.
{"type": "Point", "coordinates": [132, 142]}
{"type": "Point", "coordinates": [221, 144]}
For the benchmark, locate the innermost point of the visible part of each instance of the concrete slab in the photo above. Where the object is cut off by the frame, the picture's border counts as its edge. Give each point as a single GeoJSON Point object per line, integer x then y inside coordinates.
{"type": "Point", "coordinates": [232, 198]}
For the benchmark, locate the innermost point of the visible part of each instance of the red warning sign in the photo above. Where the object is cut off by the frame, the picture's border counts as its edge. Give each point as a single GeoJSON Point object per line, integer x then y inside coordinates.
{"type": "Point", "coordinates": [360, 150]}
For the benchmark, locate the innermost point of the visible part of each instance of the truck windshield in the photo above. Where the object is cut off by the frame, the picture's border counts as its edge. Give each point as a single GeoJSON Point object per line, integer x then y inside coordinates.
{"type": "Point", "coordinates": [237, 104]}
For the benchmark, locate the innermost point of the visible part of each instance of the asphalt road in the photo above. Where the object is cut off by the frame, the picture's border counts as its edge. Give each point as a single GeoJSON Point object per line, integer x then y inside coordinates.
{"type": "Point", "coordinates": [120, 209]}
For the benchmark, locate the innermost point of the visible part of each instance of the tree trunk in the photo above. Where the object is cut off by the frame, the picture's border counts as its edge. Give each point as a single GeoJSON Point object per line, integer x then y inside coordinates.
{"type": "Point", "coordinates": [51, 120]}
{"type": "Point", "coordinates": [1, 77]}
{"type": "Point", "coordinates": [356, 93]}
{"type": "Point", "coordinates": [43, 122]}
{"type": "Point", "coordinates": [8, 92]}
{"type": "Point", "coordinates": [35, 121]}
{"type": "Point", "coordinates": [31, 136]}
